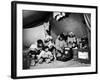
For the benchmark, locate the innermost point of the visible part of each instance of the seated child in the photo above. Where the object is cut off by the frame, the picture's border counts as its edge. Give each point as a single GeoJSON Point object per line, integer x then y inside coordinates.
{"type": "Point", "coordinates": [50, 43]}
{"type": "Point", "coordinates": [45, 55]}
{"type": "Point", "coordinates": [33, 56]}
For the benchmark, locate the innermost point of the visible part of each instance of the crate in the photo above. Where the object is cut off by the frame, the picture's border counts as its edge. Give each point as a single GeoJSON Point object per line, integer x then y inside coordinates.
{"type": "Point", "coordinates": [83, 55]}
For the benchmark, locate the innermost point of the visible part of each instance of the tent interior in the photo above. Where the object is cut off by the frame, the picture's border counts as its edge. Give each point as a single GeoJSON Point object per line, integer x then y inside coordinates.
{"type": "Point", "coordinates": [33, 26]}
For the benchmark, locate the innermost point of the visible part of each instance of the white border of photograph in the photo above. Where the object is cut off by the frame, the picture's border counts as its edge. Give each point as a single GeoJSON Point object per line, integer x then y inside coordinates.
{"type": "Point", "coordinates": [67, 70]}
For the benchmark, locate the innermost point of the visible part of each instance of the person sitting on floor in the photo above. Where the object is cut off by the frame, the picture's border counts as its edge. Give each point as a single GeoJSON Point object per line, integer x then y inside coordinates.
{"type": "Point", "coordinates": [50, 43]}
{"type": "Point", "coordinates": [40, 44]}
{"type": "Point", "coordinates": [37, 46]}
{"type": "Point", "coordinates": [71, 41]}
{"type": "Point", "coordinates": [60, 44]}
{"type": "Point", "coordinates": [34, 51]}
{"type": "Point", "coordinates": [33, 57]}
{"type": "Point", "coordinates": [45, 55]}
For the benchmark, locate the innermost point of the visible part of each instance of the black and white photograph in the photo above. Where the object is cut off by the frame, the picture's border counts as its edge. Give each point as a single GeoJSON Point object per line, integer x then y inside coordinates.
{"type": "Point", "coordinates": [54, 39]}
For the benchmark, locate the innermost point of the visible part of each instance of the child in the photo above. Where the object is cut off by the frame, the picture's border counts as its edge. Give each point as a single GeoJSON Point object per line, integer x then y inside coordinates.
{"type": "Point", "coordinates": [33, 56]}
{"type": "Point", "coordinates": [45, 55]}
{"type": "Point", "coordinates": [49, 42]}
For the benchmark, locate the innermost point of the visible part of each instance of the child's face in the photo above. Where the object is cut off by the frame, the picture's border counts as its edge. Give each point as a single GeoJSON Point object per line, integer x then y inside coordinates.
{"type": "Point", "coordinates": [40, 45]}
{"type": "Point", "coordinates": [61, 38]}
{"type": "Point", "coordinates": [46, 49]}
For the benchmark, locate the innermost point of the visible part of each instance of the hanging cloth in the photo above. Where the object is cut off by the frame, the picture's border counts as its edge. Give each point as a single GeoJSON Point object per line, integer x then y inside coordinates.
{"type": "Point", "coordinates": [87, 18]}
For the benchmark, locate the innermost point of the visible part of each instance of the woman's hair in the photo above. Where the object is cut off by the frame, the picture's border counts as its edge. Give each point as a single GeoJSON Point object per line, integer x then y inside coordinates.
{"type": "Point", "coordinates": [46, 47]}
{"type": "Point", "coordinates": [39, 41]}
{"type": "Point", "coordinates": [62, 36]}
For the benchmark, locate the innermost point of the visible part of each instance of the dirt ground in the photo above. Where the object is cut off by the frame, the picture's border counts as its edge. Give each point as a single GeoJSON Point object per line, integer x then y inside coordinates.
{"type": "Point", "coordinates": [59, 64]}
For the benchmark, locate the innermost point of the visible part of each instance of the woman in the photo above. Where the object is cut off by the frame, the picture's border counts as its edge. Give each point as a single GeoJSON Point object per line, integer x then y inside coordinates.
{"type": "Point", "coordinates": [60, 44]}
{"type": "Point", "coordinates": [34, 51]}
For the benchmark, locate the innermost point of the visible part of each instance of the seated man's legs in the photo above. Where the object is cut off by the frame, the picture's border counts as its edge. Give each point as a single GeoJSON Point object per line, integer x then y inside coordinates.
{"type": "Point", "coordinates": [58, 53]}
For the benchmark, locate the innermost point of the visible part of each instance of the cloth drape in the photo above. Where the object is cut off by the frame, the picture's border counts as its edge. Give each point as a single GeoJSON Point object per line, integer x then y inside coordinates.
{"type": "Point", "coordinates": [87, 18]}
